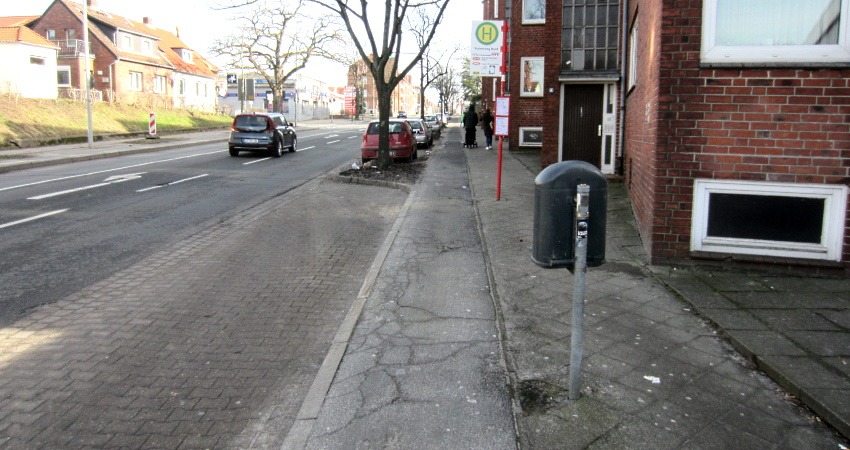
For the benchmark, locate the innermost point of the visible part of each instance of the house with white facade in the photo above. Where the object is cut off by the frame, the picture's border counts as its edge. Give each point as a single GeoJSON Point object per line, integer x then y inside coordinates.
{"type": "Point", "coordinates": [29, 63]}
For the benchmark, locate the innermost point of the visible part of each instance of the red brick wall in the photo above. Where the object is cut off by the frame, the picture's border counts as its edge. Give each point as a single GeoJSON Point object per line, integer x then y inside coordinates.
{"type": "Point", "coordinates": [640, 157]}
{"type": "Point", "coordinates": [785, 125]}
{"type": "Point", "coordinates": [536, 40]}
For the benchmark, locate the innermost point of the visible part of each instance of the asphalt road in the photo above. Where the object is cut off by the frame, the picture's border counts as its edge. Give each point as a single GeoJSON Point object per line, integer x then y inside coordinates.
{"type": "Point", "coordinates": [65, 227]}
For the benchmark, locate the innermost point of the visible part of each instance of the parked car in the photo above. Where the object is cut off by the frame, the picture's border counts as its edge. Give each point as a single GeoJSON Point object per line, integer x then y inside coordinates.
{"type": "Point", "coordinates": [402, 142]}
{"type": "Point", "coordinates": [421, 132]}
{"type": "Point", "coordinates": [269, 132]}
{"type": "Point", "coordinates": [433, 121]}
{"type": "Point", "coordinates": [402, 114]}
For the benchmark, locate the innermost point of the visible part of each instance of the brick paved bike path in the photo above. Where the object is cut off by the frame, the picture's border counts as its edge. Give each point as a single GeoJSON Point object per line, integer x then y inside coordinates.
{"type": "Point", "coordinates": [210, 343]}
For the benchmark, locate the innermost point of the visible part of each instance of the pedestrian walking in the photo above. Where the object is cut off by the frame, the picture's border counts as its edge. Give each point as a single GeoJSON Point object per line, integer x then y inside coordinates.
{"type": "Point", "coordinates": [470, 121]}
{"type": "Point", "coordinates": [487, 126]}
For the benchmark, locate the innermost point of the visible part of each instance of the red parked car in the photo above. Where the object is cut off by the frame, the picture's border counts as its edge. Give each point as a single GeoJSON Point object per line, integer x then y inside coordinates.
{"type": "Point", "coordinates": [402, 142]}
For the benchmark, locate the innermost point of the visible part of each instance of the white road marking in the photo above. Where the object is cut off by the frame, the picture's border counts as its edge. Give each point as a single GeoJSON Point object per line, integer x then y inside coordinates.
{"type": "Point", "coordinates": [111, 180]}
{"type": "Point", "coordinates": [70, 177]}
{"type": "Point", "coordinates": [306, 148]}
{"type": "Point", "coordinates": [352, 137]}
{"type": "Point", "coordinates": [172, 183]}
{"type": "Point", "coordinates": [30, 219]}
{"type": "Point", "coordinates": [333, 142]}
{"type": "Point", "coordinates": [331, 136]}
{"type": "Point", "coordinates": [255, 161]}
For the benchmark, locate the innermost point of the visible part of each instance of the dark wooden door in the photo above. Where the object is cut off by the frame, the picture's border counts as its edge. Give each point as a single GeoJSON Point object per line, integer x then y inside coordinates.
{"type": "Point", "coordinates": [582, 135]}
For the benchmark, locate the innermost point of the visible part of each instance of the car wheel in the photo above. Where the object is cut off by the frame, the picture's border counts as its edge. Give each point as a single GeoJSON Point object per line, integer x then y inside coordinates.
{"type": "Point", "coordinates": [234, 152]}
{"type": "Point", "coordinates": [294, 144]}
{"type": "Point", "coordinates": [278, 148]}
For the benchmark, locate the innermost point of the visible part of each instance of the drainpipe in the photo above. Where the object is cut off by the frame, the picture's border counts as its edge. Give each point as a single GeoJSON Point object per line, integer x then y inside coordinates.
{"type": "Point", "coordinates": [624, 52]}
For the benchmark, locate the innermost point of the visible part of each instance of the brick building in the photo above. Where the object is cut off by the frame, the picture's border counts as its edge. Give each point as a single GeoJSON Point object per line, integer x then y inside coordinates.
{"type": "Point", "coordinates": [129, 61]}
{"type": "Point", "coordinates": [733, 140]}
{"type": "Point", "coordinates": [404, 97]}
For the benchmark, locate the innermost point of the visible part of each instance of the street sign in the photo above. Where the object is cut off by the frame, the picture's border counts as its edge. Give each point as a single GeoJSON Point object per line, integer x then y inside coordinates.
{"type": "Point", "coordinates": [486, 48]}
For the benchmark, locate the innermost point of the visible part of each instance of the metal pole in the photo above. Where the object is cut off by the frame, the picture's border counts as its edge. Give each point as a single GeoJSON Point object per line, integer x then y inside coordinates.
{"type": "Point", "coordinates": [87, 76]}
{"type": "Point", "coordinates": [577, 341]}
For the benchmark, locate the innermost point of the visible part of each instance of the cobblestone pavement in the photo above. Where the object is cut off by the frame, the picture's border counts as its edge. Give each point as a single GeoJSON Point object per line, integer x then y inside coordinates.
{"type": "Point", "coordinates": [211, 343]}
{"type": "Point", "coordinates": [655, 375]}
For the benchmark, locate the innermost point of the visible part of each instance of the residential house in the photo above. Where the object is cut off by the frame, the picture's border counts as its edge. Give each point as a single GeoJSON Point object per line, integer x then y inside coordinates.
{"type": "Point", "coordinates": [732, 139]}
{"type": "Point", "coordinates": [29, 68]}
{"type": "Point", "coordinates": [129, 61]}
{"type": "Point", "coordinates": [193, 78]}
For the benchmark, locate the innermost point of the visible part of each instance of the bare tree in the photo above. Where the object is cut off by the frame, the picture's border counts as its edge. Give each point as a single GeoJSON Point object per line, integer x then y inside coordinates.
{"type": "Point", "coordinates": [277, 39]}
{"type": "Point", "coordinates": [382, 52]}
{"type": "Point", "coordinates": [430, 68]}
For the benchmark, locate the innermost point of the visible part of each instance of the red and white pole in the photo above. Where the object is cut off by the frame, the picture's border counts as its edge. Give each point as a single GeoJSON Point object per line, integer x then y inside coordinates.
{"type": "Point", "coordinates": [152, 126]}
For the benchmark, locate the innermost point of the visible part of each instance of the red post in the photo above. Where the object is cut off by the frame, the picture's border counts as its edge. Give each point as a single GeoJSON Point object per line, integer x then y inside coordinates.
{"type": "Point", "coordinates": [504, 70]}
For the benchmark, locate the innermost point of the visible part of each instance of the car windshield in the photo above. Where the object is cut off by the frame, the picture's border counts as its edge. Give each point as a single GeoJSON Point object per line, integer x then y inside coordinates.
{"type": "Point", "coordinates": [395, 128]}
{"type": "Point", "coordinates": [416, 125]}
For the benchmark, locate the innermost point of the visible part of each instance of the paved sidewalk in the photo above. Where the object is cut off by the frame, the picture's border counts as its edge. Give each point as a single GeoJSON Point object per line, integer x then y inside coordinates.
{"type": "Point", "coordinates": [656, 372]}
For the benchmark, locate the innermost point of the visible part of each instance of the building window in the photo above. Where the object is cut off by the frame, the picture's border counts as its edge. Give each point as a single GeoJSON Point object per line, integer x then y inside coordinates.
{"type": "Point", "coordinates": [769, 219]}
{"type": "Point", "coordinates": [71, 34]}
{"type": "Point", "coordinates": [63, 76]}
{"type": "Point", "coordinates": [159, 84]}
{"type": "Point", "coordinates": [186, 55]}
{"type": "Point", "coordinates": [531, 136]}
{"type": "Point", "coordinates": [633, 47]}
{"type": "Point", "coordinates": [531, 73]}
{"type": "Point", "coordinates": [181, 87]}
{"type": "Point", "coordinates": [147, 47]}
{"type": "Point", "coordinates": [51, 35]}
{"type": "Point", "coordinates": [533, 11]}
{"type": "Point", "coordinates": [127, 42]}
{"type": "Point", "coordinates": [36, 60]}
{"type": "Point", "coordinates": [135, 81]}
{"type": "Point", "coordinates": [788, 32]}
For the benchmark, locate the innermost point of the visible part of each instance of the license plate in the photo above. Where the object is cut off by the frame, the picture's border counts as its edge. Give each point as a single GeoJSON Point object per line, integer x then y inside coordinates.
{"type": "Point", "coordinates": [392, 153]}
{"type": "Point", "coordinates": [249, 141]}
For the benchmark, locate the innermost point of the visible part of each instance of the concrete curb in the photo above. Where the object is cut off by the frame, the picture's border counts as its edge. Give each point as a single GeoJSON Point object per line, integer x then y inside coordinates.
{"type": "Point", "coordinates": [299, 434]}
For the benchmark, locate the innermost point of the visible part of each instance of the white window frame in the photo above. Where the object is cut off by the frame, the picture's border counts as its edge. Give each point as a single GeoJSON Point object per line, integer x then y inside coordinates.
{"type": "Point", "coordinates": [159, 84]}
{"type": "Point", "coordinates": [832, 235]}
{"type": "Point", "coordinates": [66, 69]}
{"type": "Point", "coordinates": [541, 78]}
{"type": "Point", "coordinates": [778, 55]}
{"type": "Point", "coordinates": [633, 59]}
{"type": "Point", "coordinates": [135, 79]}
{"type": "Point", "coordinates": [126, 42]}
{"type": "Point", "coordinates": [533, 20]}
{"type": "Point", "coordinates": [524, 143]}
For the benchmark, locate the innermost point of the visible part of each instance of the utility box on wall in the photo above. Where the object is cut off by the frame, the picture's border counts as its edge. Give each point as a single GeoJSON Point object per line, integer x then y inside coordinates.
{"type": "Point", "coordinates": [554, 232]}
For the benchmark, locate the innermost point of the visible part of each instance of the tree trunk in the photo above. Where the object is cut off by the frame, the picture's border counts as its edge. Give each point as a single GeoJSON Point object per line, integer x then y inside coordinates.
{"type": "Point", "coordinates": [384, 99]}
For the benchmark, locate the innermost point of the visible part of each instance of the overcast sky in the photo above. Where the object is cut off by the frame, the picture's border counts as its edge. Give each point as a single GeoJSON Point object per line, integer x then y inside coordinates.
{"type": "Point", "coordinates": [200, 25]}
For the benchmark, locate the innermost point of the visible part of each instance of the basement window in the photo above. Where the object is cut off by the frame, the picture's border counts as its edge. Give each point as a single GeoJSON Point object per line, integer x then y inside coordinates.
{"type": "Point", "coordinates": [769, 219]}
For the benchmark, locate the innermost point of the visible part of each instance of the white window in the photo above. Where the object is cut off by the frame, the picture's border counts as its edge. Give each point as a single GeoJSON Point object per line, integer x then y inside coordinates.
{"type": "Point", "coordinates": [147, 47]}
{"type": "Point", "coordinates": [135, 81]}
{"type": "Point", "coordinates": [63, 76]}
{"type": "Point", "coordinates": [127, 42]}
{"type": "Point", "coordinates": [36, 60]}
{"type": "Point", "coordinates": [533, 11]}
{"type": "Point", "coordinates": [181, 87]}
{"type": "Point", "coordinates": [51, 35]}
{"type": "Point", "coordinates": [532, 77]}
{"type": "Point", "coordinates": [633, 48]}
{"type": "Point", "coordinates": [186, 55]}
{"type": "Point", "coordinates": [775, 32]}
{"type": "Point", "coordinates": [159, 84]}
{"type": "Point", "coordinates": [790, 220]}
